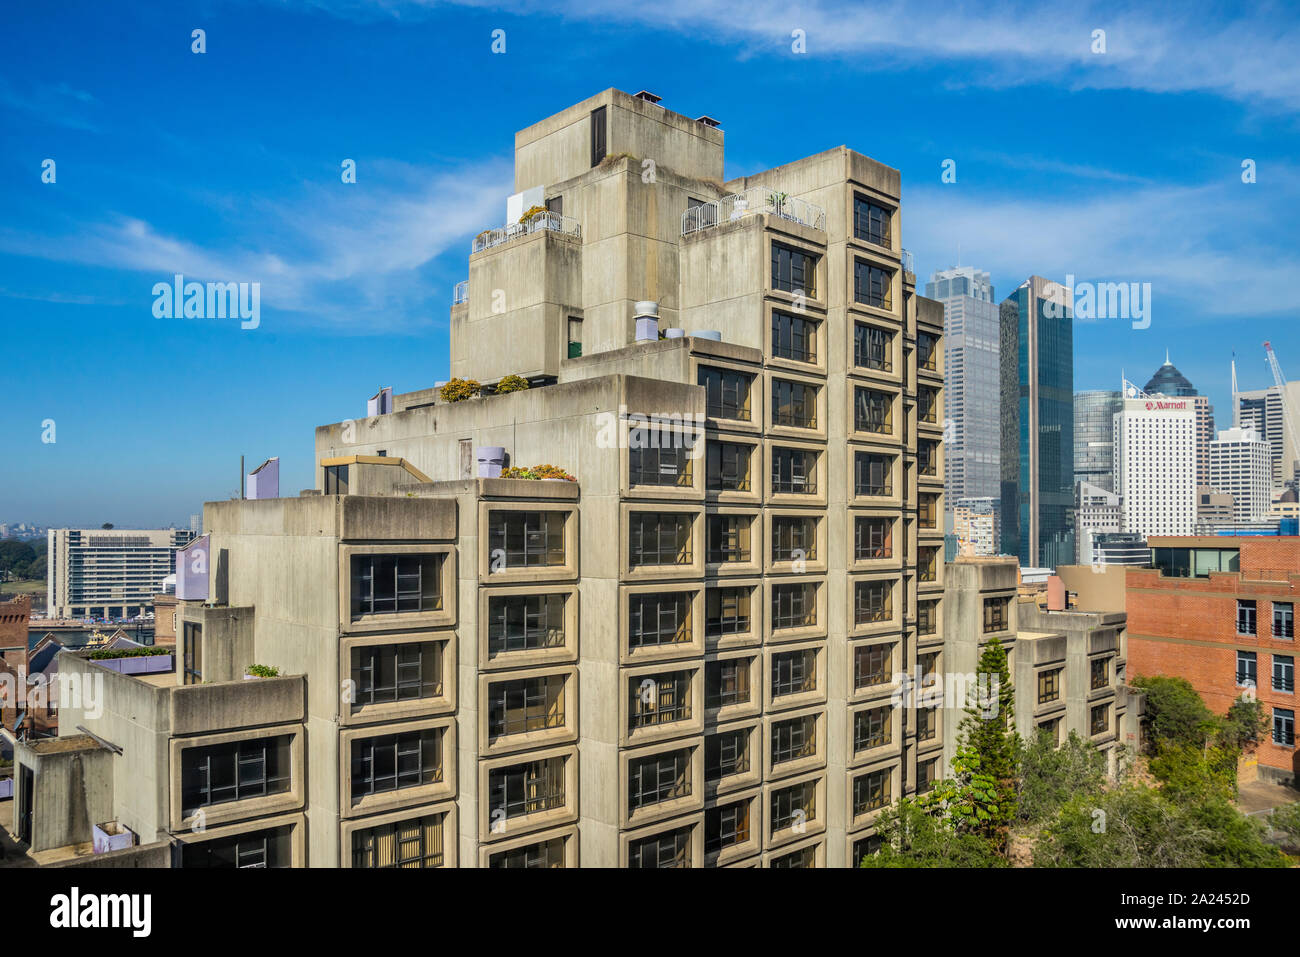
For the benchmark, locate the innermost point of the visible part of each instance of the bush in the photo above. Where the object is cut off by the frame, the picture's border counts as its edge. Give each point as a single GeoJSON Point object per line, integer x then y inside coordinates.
{"type": "Point", "coordinates": [537, 473]}
{"type": "Point", "coordinates": [148, 651]}
{"type": "Point", "coordinates": [512, 383]}
{"type": "Point", "coordinates": [531, 212]}
{"type": "Point", "coordinates": [1050, 776]}
{"type": "Point", "coordinates": [262, 671]}
{"type": "Point", "coordinates": [1175, 713]}
{"type": "Point", "coordinates": [458, 390]}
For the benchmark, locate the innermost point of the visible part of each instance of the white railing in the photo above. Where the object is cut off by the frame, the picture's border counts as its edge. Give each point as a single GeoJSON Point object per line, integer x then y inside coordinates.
{"type": "Point", "coordinates": [907, 261]}
{"type": "Point", "coordinates": [756, 199]}
{"type": "Point", "coordinates": [542, 220]}
{"type": "Point", "coordinates": [460, 293]}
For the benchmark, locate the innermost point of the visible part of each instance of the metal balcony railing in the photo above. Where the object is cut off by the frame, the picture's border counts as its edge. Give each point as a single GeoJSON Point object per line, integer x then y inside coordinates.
{"type": "Point", "coordinates": [542, 220]}
{"type": "Point", "coordinates": [756, 199]}
{"type": "Point", "coordinates": [460, 293]}
{"type": "Point", "coordinates": [908, 265]}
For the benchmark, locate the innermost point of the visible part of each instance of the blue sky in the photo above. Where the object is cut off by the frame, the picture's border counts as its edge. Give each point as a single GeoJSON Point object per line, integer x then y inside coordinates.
{"type": "Point", "coordinates": [225, 166]}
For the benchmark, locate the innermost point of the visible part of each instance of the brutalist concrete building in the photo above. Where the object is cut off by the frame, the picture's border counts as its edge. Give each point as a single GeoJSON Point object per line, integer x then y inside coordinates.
{"type": "Point", "coordinates": [683, 658]}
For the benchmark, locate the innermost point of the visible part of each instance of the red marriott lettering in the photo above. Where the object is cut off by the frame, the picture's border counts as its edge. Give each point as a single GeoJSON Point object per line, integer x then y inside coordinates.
{"type": "Point", "coordinates": [1166, 405]}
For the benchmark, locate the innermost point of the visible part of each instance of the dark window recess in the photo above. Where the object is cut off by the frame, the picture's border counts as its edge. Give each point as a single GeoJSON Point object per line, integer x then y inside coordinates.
{"type": "Point", "coordinates": [598, 135]}
{"type": "Point", "coordinates": [872, 285]}
{"type": "Point", "coordinates": [870, 221]}
{"type": "Point", "coordinates": [221, 773]}
{"type": "Point", "coordinates": [395, 584]}
{"type": "Point", "coordinates": [793, 270]}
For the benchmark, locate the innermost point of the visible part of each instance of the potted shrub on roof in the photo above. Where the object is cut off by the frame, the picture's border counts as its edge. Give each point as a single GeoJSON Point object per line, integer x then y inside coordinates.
{"type": "Point", "coordinates": [458, 390]}
{"type": "Point", "coordinates": [512, 383]}
{"type": "Point", "coordinates": [261, 671]}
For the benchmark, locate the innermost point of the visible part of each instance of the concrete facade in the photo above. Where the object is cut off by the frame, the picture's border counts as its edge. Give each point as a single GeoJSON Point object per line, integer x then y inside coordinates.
{"type": "Point", "coordinates": [1068, 667]}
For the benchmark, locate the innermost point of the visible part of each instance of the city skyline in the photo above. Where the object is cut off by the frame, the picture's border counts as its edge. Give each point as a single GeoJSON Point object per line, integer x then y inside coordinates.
{"type": "Point", "coordinates": [365, 270]}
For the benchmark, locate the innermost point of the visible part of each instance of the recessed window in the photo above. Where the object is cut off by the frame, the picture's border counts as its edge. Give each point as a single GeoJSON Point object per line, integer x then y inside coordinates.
{"type": "Point", "coordinates": [794, 471]}
{"type": "Point", "coordinates": [873, 474]}
{"type": "Point", "coordinates": [221, 773]}
{"type": "Point", "coordinates": [726, 393]}
{"type": "Point", "coordinates": [1284, 673]}
{"type": "Point", "coordinates": [726, 682]}
{"type": "Point", "coordinates": [794, 606]}
{"type": "Point", "coordinates": [794, 672]}
{"type": "Point", "coordinates": [1247, 673]}
{"type": "Point", "coordinates": [873, 411]}
{"type": "Point", "coordinates": [544, 854]}
{"type": "Point", "coordinates": [995, 614]}
{"type": "Point", "coordinates": [793, 270]}
{"type": "Point", "coordinates": [794, 538]}
{"type": "Point", "coordinates": [272, 847]}
{"type": "Point", "coordinates": [662, 618]}
{"type": "Point", "coordinates": [415, 843]}
{"type": "Point", "coordinates": [871, 666]}
{"type": "Point", "coordinates": [927, 352]}
{"type": "Point", "coordinates": [794, 805]}
{"type": "Point", "coordinates": [671, 849]}
{"type": "Point", "coordinates": [525, 540]}
{"type": "Point", "coordinates": [873, 347]}
{"type": "Point", "coordinates": [871, 221]}
{"type": "Point", "coordinates": [1099, 719]}
{"type": "Point", "coordinates": [873, 538]}
{"type": "Point", "coordinates": [1100, 673]}
{"type": "Point", "coordinates": [793, 337]}
{"type": "Point", "coordinates": [525, 623]}
{"type": "Point", "coordinates": [726, 611]}
{"type": "Point", "coordinates": [873, 602]}
{"type": "Point", "coordinates": [871, 729]}
{"type": "Point", "coordinates": [871, 791]}
{"type": "Point", "coordinates": [388, 584]}
{"type": "Point", "coordinates": [523, 789]}
{"type": "Point", "coordinates": [659, 699]}
{"type": "Point", "coordinates": [727, 467]}
{"type": "Point", "coordinates": [726, 754]}
{"type": "Point", "coordinates": [664, 467]}
{"type": "Point", "coordinates": [1049, 685]}
{"type": "Point", "coordinates": [658, 778]}
{"type": "Point", "coordinates": [872, 285]}
{"type": "Point", "coordinates": [525, 705]}
{"type": "Point", "coordinates": [794, 404]}
{"type": "Point", "coordinates": [387, 674]}
{"type": "Point", "coordinates": [726, 826]}
{"type": "Point", "coordinates": [393, 762]}
{"type": "Point", "coordinates": [659, 538]}
{"type": "Point", "coordinates": [794, 739]}
{"type": "Point", "coordinates": [728, 538]}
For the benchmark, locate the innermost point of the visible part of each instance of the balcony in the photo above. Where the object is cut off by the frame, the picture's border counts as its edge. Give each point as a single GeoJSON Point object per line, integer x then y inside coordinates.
{"type": "Point", "coordinates": [756, 199]}
{"type": "Point", "coordinates": [460, 293]}
{"type": "Point", "coordinates": [544, 220]}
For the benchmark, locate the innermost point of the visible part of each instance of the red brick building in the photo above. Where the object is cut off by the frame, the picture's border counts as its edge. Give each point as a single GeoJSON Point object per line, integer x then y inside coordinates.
{"type": "Point", "coordinates": [1220, 612]}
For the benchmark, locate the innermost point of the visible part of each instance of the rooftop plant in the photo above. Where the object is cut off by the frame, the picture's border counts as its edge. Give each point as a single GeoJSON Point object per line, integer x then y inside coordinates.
{"type": "Point", "coordinates": [458, 390]}
{"type": "Point", "coordinates": [262, 671]}
{"type": "Point", "coordinates": [512, 383]}
{"type": "Point", "coordinates": [103, 653]}
{"type": "Point", "coordinates": [538, 472]}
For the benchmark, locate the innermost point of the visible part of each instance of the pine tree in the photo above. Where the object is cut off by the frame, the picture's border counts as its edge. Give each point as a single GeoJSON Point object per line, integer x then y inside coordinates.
{"type": "Point", "coordinates": [985, 765]}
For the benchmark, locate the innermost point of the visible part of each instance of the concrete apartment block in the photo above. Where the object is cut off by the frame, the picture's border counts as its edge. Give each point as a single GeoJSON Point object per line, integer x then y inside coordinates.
{"type": "Point", "coordinates": [679, 659]}
{"type": "Point", "coordinates": [1067, 666]}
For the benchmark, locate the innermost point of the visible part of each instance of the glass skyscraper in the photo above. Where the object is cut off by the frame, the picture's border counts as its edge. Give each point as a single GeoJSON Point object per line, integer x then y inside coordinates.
{"type": "Point", "coordinates": [970, 334]}
{"type": "Point", "coordinates": [1094, 437]}
{"type": "Point", "coordinates": [1037, 423]}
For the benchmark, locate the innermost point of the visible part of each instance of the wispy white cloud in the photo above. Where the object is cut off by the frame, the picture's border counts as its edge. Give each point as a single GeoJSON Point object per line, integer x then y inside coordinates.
{"type": "Point", "coordinates": [345, 255]}
{"type": "Point", "coordinates": [58, 104]}
{"type": "Point", "coordinates": [1246, 54]}
{"type": "Point", "coordinates": [1218, 246]}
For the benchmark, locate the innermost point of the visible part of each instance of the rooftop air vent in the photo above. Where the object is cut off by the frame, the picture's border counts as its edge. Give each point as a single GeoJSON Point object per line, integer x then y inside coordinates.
{"type": "Point", "coordinates": [708, 121]}
{"type": "Point", "coordinates": [647, 96]}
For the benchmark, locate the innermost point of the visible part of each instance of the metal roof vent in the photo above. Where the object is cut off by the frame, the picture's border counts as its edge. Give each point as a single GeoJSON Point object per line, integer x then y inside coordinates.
{"type": "Point", "coordinates": [708, 121]}
{"type": "Point", "coordinates": [647, 96]}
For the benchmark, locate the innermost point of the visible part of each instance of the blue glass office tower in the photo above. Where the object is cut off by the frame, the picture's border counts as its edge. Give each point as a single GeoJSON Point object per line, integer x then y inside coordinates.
{"type": "Point", "coordinates": [1036, 372]}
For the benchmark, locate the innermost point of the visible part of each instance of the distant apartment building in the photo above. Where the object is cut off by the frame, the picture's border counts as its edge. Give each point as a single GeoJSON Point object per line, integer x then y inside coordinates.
{"type": "Point", "coordinates": [681, 659]}
{"type": "Point", "coordinates": [975, 526]}
{"type": "Point", "coordinates": [1037, 423]}
{"type": "Point", "coordinates": [1068, 667]}
{"type": "Point", "coordinates": [1170, 382]}
{"type": "Point", "coordinates": [1264, 410]}
{"type": "Point", "coordinates": [1241, 465]}
{"type": "Point", "coordinates": [1094, 437]}
{"type": "Point", "coordinates": [1097, 510]}
{"type": "Point", "coordinates": [1155, 464]}
{"type": "Point", "coordinates": [1214, 510]}
{"type": "Point", "coordinates": [971, 381]}
{"type": "Point", "coordinates": [1220, 612]}
{"type": "Point", "coordinates": [108, 573]}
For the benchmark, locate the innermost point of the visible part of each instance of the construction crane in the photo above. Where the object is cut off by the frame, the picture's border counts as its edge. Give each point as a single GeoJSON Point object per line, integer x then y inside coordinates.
{"type": "Point", "coordinates": [1280, 381]}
